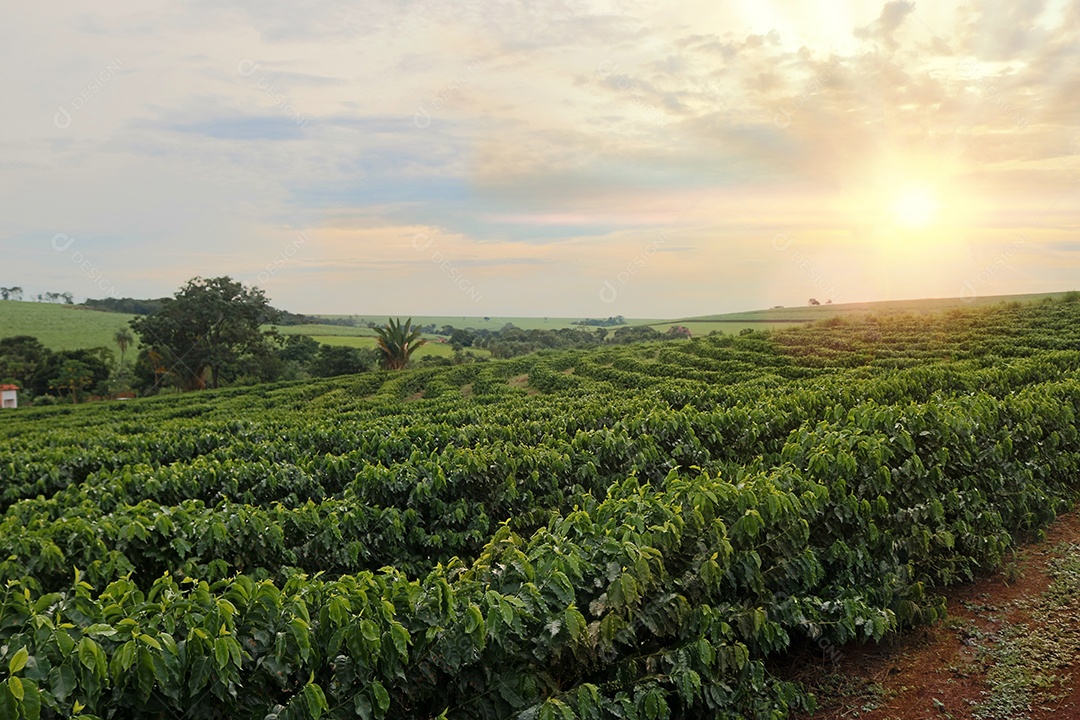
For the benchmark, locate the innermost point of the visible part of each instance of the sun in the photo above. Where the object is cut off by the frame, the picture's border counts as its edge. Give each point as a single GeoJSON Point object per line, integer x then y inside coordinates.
{"type": "Point", "coordinates": [915, 208]}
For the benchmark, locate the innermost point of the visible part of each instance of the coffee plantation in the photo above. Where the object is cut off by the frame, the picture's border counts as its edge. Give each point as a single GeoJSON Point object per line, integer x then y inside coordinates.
{"type": "Point", "coordinates": [632, 532]}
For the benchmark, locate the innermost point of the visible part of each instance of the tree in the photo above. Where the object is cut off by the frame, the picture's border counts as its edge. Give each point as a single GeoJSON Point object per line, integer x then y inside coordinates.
{"type": "Point", "coordinates": [397, 341]}
{"type": "Point", "coordinates": [51, 373]}
{"type": "Point", "coordinates": [814, 302]}
{"type": "Point", "coordinates": [333, 360]}
{"type": "Point", "coordinates": [104, 354]}
{"type": "Point", "coordinates": [16, 292]}
{"type": "Point", "coordinates": [21, 356]}
{"type": "Point", "coordinates": [462, 338]}
{"type": "Point", "coordinates": [123, 340]}
{"type": "Point", "coordinates": [300, 349]}
{"type": "Point", "coordinates": [204, 329]}
{"type": "Point", "coordinates": [635, 333]}
{"type": "Point", "coordinates": [149, 372]}
{"type": "Point", "coordinates": [130, 306]}
{"type": "Point", "coordinates": [74, 375]}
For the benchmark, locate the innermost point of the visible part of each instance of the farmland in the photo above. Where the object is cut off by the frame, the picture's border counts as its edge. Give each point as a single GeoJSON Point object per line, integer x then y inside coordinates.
{"type": "Point", "coordinates": [61, 327]}
{"type": "Point", "coordinates": [624, 532]}
{"type": "Point", "coordinates": [67, 327]}
{"type": "Point", "coordinates": [489, 323]}
{"type": "Point", "coordinates": [435, 349]}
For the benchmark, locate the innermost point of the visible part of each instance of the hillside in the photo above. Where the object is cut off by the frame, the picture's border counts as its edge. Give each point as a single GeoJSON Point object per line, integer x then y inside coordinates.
{"type": "Point", "coordinates": [61, 327]}
{"type": "Point", "coordinates": [644, 530]}
{"type": "Point", "coordinates": [488, 323]}
{"type": "Point", "coordinates": [788, 317]}
{"type": "Point", "coordinates": [69, 327]}
{"type": "Point", "coordinates": [812, 313]}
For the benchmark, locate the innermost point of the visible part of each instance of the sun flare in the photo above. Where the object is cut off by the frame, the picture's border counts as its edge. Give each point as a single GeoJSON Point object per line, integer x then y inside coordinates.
{"type": "Point", "coordinates": [915, 208]}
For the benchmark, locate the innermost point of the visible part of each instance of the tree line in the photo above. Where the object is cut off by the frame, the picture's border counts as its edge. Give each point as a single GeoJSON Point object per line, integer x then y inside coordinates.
{"type": "Point", "coordinates": [16, 293]}
{"type": "Point", "coordinates": [216, 332]}
{"type": "Point", "coordinates": [140, 306]}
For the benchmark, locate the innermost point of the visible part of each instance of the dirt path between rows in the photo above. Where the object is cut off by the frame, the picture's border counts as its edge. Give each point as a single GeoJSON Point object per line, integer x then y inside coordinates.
{"type": "Point", "coordinates": [1009, 650]}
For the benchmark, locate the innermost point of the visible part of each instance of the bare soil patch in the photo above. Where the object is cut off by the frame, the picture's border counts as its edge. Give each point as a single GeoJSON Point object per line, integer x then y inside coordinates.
{"type": "Point", "coordinates": [1009, 650]}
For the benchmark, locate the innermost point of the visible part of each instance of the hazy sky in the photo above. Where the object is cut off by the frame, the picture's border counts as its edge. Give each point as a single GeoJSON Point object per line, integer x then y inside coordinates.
{"type": "Point", "coordinates": [541, 158]}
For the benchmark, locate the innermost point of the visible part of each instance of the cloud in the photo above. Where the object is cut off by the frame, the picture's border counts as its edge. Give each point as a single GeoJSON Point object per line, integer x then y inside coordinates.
{"type": "Point", "coordinates": [884, 28]}
{"type": "Point", "coordinates": [546, 139]}
{"type": "Point", "coordinates": [245, 128]}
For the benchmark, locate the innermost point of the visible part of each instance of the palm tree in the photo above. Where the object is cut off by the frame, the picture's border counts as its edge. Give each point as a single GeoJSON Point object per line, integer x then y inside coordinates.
{"type": "Point", "coordinates": [123, 340]}
{"type": "Point", "coordinates": [397, 341]}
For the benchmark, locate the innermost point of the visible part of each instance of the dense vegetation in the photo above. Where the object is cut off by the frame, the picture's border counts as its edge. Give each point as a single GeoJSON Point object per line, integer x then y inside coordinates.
{"type": "Point", "coordinates": [135, 306]}
{"type": "Point", "coordinates": [623, 532]}
{"type": "Point", "coordinates": [24, 360]}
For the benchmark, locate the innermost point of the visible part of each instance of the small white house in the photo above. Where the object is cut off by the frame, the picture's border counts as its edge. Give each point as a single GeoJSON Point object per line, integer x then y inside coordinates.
{"type": "Point", "coordinates": [9, 396]}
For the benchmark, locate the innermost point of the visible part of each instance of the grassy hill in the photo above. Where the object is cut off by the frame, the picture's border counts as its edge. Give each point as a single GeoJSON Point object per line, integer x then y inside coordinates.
{"type": "Point", "coordinates": [70, 327]}
{"type": "Point", "coordinates": [783, 317]}
{"type": "Point", "coordinates": [488, 323]}
{"type": "Point", "coordinates": [367, 342]}
{"type": "Point", "coordinates": [811, 313]}
{"type": "Point", "coordinates": [60, 327]}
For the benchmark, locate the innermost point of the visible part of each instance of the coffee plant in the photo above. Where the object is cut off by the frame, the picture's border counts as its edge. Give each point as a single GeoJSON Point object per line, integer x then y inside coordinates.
{"type": "Point", "coordinates": [633, 532]}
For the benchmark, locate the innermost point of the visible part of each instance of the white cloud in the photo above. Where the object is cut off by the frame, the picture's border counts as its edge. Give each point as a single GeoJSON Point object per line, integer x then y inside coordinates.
{"type": "Point", "coordinates": [544, 142]}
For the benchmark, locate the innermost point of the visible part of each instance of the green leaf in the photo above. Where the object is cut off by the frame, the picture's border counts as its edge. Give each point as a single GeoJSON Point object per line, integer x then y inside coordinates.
{"type": "Point", "coordinates": [16, 688]}
{"type": "Point", "coordinates": [401, 640]}
{"type": "Point", "coordinates": [150, 641]}
{"type": "Point", "coordinates": [88, 653]}
{"type": "Point", "coordinates": [362, 706]}
{"type": "Point", "coordinates": [18, 660]}
{"type": "Point", "coordinates": [123, 659]}
{"type": "Point", "coordinates": [100, 629]}
{"type": "Point", "coordinates": [221, 653]}
{"type": "Point", "coordinates": [316, 700]}
{"type": "Point", "coordinates": [45, 601]}
{"type": "Point", "coordinates": [382, 698]}
{"type": "Point", "coordinates": [31, 700]}
{"type": "Point", "coordinates": [9, 706]}
{"type": "Point", "coordinates": [62, 682]}
{"type": "Point", "coordinates": [65, 642]}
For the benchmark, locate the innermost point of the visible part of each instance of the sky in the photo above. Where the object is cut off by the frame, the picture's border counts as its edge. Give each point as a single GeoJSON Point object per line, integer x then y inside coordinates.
{"type": "Point", "coordinates": [541, 158]}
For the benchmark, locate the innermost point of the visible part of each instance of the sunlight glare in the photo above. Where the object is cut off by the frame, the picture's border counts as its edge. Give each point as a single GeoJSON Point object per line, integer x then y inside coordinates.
{"type": "Point", "coordinates": [915, 208]}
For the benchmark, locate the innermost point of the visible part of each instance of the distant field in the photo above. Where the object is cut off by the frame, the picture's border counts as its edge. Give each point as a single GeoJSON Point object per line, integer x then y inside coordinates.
{"type": "Point", "coordinates": [437, 349]}
{"type": "Point", "coordinates": [325, 330]}
{"type": "Point", "coordinates": [67, 327]}
{"type": "Point", "coordinates": [60, 327]}
{"type": "Point", "coordinates": [698, 328]}
{"type": "Point", "coordinates": [812, 313]}
{"type": "Point", "coordinates": [481, 323]}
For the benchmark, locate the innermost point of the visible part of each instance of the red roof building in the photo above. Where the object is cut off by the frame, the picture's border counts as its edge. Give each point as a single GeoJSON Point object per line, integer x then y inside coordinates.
{"type": "Point", "coordinates": [9, 396]}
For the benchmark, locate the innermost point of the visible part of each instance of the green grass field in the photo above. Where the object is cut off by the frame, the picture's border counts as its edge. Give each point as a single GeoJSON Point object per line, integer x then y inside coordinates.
{"type": "Point", "coordinates": [772, 317]}
{"type": "Point", "coordinates": [61, 327]}
{"type": "Point", "coordinates": [68, 327]}
{"type": "Point", "coordinates": [437, 349]}
{"type": "Point", "coordinates": [484, 323]}
{"type": "Point", "coordinates": [325, 330]}
{"type": "Point", "coordinates": [729, 328]}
